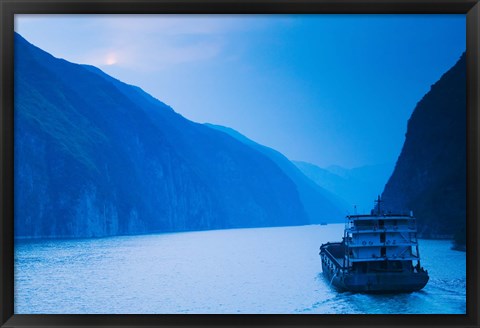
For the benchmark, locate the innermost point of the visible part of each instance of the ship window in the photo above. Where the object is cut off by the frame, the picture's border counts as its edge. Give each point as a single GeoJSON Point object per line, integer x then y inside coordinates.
{"type": "Point", "coordinates": [382, 237]}
{"type": "Point", "coordinates": [383, 251]}
{"type": "Point", "coordinates": [381, 224]}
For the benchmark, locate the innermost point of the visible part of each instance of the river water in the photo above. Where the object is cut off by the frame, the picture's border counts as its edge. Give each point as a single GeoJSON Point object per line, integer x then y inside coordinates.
{"type": "Point", "coordinates": [264, 270]}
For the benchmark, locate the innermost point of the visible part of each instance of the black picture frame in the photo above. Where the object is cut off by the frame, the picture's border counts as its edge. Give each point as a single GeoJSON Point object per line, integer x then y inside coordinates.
{"type": "Point", "coordinates": [471, 8]}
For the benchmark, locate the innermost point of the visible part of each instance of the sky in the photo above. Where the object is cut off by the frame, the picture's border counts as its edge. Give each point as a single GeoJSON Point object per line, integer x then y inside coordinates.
{"type": "Point", "coordinates": [325, 89]}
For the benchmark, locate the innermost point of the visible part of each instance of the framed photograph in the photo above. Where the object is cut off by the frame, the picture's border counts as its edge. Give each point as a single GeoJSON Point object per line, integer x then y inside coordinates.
{"type": "Point", "coordinates": [230, 163]}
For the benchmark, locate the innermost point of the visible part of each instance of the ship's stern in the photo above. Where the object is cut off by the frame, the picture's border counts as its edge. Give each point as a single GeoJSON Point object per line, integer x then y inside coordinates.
{"type": "Point", "coordinates": [388, 282]}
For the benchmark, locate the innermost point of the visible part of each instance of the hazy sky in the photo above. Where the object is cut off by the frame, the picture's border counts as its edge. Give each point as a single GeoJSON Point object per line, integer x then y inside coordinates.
{"type": "Point", "coordinates": [326, 89]}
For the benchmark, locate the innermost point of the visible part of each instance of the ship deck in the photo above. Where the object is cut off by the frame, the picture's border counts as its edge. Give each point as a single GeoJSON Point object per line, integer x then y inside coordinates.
{"type": "Point", "coordinates": [336, 252]}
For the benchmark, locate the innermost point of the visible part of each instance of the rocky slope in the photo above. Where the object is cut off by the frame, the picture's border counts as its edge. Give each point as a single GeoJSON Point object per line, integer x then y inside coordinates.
{"type": "Point", "coordinates": [430, 174]}
{"type": "Point", "coordinates": [320, 204]}
{"type": "Point", "coordinates": [97, 157]}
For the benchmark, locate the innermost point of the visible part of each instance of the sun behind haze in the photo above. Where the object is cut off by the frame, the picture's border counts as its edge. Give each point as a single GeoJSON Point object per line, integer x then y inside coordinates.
{"type": "Point", "coordinates": [326, 89]}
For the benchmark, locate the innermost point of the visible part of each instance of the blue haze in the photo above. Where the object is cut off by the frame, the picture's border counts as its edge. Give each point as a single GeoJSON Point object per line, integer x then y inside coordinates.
{"type": "Point", "coordinates": [325, 89]}
{"type": "Point", "coordinates": [96, 157]}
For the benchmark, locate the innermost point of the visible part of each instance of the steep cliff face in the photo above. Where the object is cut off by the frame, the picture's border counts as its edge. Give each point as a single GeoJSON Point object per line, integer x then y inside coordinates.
{"type": "Point", "coordinates": [430, 174]}
{"type": "Point", "coordinates": [97, 157]}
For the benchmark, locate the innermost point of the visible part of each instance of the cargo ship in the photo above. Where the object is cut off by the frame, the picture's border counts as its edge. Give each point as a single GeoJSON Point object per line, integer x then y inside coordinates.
{"type": "Point", "coordinates": [378, 253]}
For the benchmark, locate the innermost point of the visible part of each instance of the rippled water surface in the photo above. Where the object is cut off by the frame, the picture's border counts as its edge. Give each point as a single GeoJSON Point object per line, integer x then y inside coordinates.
{"type": "Point", "coordinates": [267, 270]}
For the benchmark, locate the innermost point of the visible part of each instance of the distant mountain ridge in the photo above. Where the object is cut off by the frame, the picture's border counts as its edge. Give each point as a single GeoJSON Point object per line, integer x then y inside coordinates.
{"type": "Point", "coordinates": [97, 157]}
{"type": "Point", "coordinates": [358, 186]}
{"type": "Point", "coordinates": [320, 204]}
{"type": "Point", "coordinates": [430, 173]}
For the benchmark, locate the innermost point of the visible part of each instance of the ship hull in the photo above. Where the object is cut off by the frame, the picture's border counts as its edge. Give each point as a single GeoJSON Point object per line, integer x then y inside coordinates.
{"type": "Point", "coordinates": [386, 282]}
{"type": "Point", "coordinates": [370, 282]}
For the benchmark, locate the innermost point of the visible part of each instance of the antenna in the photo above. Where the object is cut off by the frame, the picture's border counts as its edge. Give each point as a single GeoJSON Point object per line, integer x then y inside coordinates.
{"type": "Point", "coordinates": [378, 201]}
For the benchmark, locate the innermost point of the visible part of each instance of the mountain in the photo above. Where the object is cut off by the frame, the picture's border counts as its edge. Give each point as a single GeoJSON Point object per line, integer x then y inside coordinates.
{"type": "Point", "coordinates": [358, 186]}
{"type": "Point", "coordinates": [97, 157]}
{"type": "Point", "coordinates": [320, 204]}
{"type": "Point", "coordinates": [430, 173]}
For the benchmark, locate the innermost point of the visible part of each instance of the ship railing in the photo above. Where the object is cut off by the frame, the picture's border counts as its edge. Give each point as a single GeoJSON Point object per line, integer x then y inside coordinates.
{"type": "Point", "coordinates": [384, 258]}
{"type": "Point", "coordinates": [380, 217]}
{"type": "Point", "coordinates": [384, 229]}
{"type": "Point", "coordinates": [329, 243]}
{"type": "Point", "coordinates": [370, 243]}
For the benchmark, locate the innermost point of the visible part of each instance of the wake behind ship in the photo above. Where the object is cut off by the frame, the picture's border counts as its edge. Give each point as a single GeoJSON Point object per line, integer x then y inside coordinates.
{"type": "Point", "coordinates": [378, 254]}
